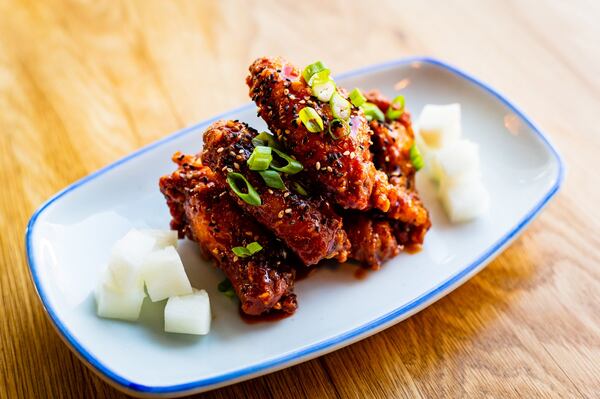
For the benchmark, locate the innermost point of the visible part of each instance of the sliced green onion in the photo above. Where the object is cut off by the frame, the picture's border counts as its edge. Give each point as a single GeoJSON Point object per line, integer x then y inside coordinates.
{"type": "Point", "coordinates": [254, 247]}
{"type": "Point", "coordinates": [311, 119]}
{"type": "Point", "coordinates": [261, 158]}
{"type": "Point", "coordinates": [284, 163]}
{"type": "Point", "coordinates": [357, 98]}
{"type": "Point", "coordinates": [341, 123]}
{"type": "Point", "coordinates": [251, 197]}
{"type": "Point", "coordinates": [323, 89]}
{"type": "Point", "coordinates": [265, 139]}
{"type": "Point", "coordinates": [226, 288]}
{"type": "Point", "coordinates": [340, 107]}
{"type": "Point", "coordinates": [312, 69]}
{"type": "Point", "coordinates": [224, 285]}
{"type": "Point", "coordinates": [272, 179]}
{"type": "Point", "coordinates": [248, 250]}
{"type": "Point", "coordinates": [396, 108]}
{"type": "Point", "coordinates": [372, 111]}
{"type": "Point", "coordinates": [297, 187]}
{"type": "Point", "coordinates": [415, 157]}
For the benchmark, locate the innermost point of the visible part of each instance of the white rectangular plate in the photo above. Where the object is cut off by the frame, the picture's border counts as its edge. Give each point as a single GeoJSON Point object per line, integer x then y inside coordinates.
{"type": "Point", "coordinates": [69, 237]}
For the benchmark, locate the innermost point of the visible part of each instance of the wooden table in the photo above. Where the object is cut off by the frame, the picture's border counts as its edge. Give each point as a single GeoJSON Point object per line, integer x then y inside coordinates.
{"type": "Point", "coordinates": [83, 83]}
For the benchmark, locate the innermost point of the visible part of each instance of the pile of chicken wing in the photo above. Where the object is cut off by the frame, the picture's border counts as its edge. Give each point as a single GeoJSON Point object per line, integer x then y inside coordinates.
{"type": "Point", "coordinates": [351, 196]}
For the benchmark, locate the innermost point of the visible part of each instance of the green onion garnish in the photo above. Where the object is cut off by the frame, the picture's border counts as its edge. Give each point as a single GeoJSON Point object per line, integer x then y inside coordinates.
{"type": "Point", "coordinates": [248, 250]}
{"type": "Point", "coordinates": [284, 163]}
{"type": "Point", "coordinates": [311, 119]}
{"type": "Point", "coordinates": [357, 98]}
{"type": "Point", "coordinates": [311, 70]}
{"type": "Point", "coordinates": [396, 108]}
{"type": "Point", "coordinates": [372, 111]}
{"type": "Point", "coordinates": [323, 89]}
{"type": "Point", "coordinates": [340, 124]}
{"type": "Point", "coordinates": [226, 288]}
{"type": "Point", "coordinates": [297, 187]}
{"type": "Point", "coordinates": [415, 157]}
{"type": "Point", "coordinates": [265, 139]}
{"type": "Point", "coordinates": [340, 107]}
{"type": "Point", "coordinates": [272, 179]}
{"type": "Point", "coordinates": [261, 158]}
{"type": "Point", "coordinates": [251, 197]}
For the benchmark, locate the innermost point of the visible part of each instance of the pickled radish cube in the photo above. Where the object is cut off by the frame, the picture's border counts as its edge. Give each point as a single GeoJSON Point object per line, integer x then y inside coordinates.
{"type": "Point", "coordinates": [464, 201]}
{"type": "Point", "coordinates": [164, 238]}
{"type": "Point", "coordinates": [439, 125]}
{"type": "Point", "coordinates": [164, 274]}
{"type": "Point", "coordinates": [459, 161]}
{"type": "Point", "coordinates": [188, 314]}
{"type": "Point", "coordinates": [115, 304]}
{"type": "Point", "coordinates": [126, 259]}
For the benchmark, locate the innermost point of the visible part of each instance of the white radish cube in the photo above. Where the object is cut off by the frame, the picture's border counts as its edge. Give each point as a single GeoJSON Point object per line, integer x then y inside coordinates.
{"type": "Point", "coordinates": [164, 275]}
{"type": "Point", "coordinates": [126, 260]}
{"type": "Point", "coordinates": [188, 314]}
{"type": "Point", "coordinates": [439, 125]}
{"type": "Point", "coordinates": [115, 304]}
{"type": "Point", "coordinates": [164, 238]}
{"type": "Point", "coordinates": [459, 161]}
{"type": "Point", "coordinates": [464, 201]}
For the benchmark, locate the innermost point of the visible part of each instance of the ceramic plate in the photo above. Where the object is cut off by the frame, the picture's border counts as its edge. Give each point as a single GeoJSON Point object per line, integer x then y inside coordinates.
{"type": "Point", "coordinates": [69, 237]}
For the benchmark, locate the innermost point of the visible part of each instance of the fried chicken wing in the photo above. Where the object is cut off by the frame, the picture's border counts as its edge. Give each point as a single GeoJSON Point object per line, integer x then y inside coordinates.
{"type": "Point", "coordinates": [342, 166]}
{"type": "Point", "coordinates": [203, 212]}
{"type": "Point", "coordinates": [308, 225]}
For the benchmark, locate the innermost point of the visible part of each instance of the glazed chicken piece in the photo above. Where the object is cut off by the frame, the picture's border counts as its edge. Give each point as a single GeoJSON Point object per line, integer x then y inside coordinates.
{"type": "Point", "coordinates": [309, 226]}
{"type": "Point", "coordinates": [203, 212]}
{"type": "Point", "coordinates": [374, 237]}
{"type": "Point", "coordinates": [343, 166]}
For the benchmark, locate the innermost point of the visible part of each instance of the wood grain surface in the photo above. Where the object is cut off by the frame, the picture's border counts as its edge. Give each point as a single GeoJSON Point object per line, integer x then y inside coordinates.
{"type": "Point", "coordinates": [83, 83]}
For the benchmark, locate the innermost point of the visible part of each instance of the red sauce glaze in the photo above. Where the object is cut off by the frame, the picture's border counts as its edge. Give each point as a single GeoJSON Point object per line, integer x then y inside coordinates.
{"type": "Point", "coordinates": [267, 317]}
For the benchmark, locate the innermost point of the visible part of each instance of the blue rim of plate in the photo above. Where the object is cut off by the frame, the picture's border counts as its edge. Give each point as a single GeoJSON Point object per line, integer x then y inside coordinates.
{"type": "Point", "coordinates": [313, 350]}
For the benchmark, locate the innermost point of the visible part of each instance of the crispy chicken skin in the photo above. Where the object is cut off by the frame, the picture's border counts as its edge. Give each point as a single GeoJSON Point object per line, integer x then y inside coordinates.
{"type": "Point", "coordinates": [309, 226]}
{"type": "Point", "coordinates": [373, 239]}
{"type": "Point", "coordinates": [203, 212]}
{"type": "Point", "coordinates": [342, 167]}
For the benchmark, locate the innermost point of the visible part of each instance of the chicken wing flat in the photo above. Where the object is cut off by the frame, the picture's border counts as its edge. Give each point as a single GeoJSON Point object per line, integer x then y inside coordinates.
{"type": "Point", "coordinates": [308, 225]}
{"type": "Point", "coordinates": [342, 166]}
{"type": "Point", "coordinates": [203, 212]}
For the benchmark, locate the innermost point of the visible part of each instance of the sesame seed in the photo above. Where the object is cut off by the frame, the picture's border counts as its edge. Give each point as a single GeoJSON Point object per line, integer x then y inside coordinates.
{"type": "Point", "coordinates": [289, 210]}
{"type": "Point", "coordinates": [229, 170]}
{"type": "Point", "coordinates": [387, 158]}
{"type": "Point", "coordinates": [232, 153]}
{"type": "Point", "coordinates": [318, 165]}
{"type": "Point", "coordinates": [280, 214]}
{"type": "Point", "coordinates": [346, 152]}
{"type": "Point", "coordinates": [241, 151]}
{"type": "Point", "coordinates": [329, 169]}
{"type": "Point", "coordinates": [224, 168]}
{"type": "Point", "coordinates": [270, 191]}
{"type": "Point", "coordinates": [236, 165]}
{"type": "Point", "coordinates": [287, 193]}
{"type": "Point", "coordinates": [352, 155]}
{"type": "Point", "coordinates": [220, 149]}
{"type": "Point", "coordinates": [235, 258]}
